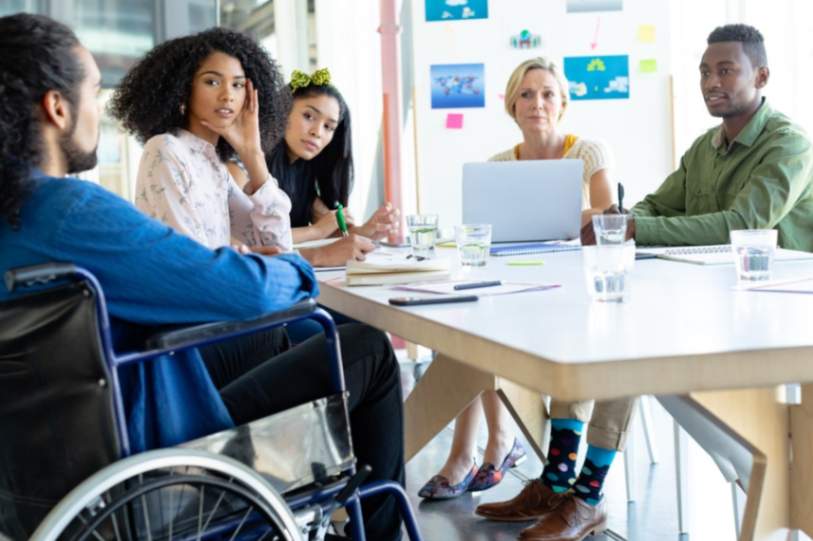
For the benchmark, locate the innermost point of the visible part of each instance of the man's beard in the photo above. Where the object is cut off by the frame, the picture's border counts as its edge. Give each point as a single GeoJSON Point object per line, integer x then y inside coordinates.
{"type": "Point", "coordinates": [76, 159]}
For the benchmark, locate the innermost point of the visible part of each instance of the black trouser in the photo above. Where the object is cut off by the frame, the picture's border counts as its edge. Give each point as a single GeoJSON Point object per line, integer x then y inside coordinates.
{"type": "Point", "coordinates": [258, 375]}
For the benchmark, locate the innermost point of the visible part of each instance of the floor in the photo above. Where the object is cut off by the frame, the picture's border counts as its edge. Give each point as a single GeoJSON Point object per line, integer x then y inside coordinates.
{"type": "Point", "coordinates": [651, 517]}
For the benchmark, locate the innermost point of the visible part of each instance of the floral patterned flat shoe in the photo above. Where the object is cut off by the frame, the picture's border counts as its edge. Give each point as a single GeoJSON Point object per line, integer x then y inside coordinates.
{"type": "Point", "coordinates": [489, 475]}
{"type": "Point", "coordinates": [438, 487]}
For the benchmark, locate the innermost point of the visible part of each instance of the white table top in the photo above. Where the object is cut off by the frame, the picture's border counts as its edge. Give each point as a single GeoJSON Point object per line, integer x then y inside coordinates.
{"type": "Point", "coordinates": [682, 327]}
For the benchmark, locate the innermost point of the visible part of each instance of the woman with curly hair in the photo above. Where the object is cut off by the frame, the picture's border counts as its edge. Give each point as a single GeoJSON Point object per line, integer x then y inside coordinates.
{"type": "Point", "coordinates": [198, 102]}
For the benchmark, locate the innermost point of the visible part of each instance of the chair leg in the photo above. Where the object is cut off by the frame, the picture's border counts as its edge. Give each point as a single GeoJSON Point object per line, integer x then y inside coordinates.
{"type": "Point", "coordinates": [737, 498]}
{"type": "Point", "coordinates": [645, 409]}
{"type": "Point", "coordinates": [630, 473]}
{"type": "Point", "coordinates": [682, 478]}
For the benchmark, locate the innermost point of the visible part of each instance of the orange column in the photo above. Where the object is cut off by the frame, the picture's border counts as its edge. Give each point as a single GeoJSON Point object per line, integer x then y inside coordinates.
{"type": "Point", "coordinates": [392, 103]}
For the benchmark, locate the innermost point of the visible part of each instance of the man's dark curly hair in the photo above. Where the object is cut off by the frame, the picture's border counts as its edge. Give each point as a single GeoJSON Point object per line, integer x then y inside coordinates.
{"type": "Point", "coordinates": [148, 101]}
{"type": "Point", "coordinates": [752, 41]}
{"type": "Point", "coordinates": [37, 54]}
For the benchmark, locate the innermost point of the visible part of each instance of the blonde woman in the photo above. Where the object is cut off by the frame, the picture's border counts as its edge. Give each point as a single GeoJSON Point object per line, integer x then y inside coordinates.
{"type": "Point", "coordinates": [536, 98]}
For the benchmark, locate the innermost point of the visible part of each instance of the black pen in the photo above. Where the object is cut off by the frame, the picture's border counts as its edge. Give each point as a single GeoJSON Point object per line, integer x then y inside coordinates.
{"type": "Point", "coordinates": [620, 198]}
{"type": "Point", "coordinates": [475, 285]}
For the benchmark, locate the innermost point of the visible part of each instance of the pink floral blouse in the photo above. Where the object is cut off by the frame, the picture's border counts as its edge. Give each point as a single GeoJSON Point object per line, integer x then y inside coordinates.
{"type": "Point", "coordinates": [182, 182]}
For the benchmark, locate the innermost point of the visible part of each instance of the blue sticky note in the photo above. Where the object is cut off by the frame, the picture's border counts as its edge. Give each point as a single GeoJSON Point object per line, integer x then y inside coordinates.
{"type": "Point", "coordinates": [598, 77]}
{"type": "Point", "coordinates": [456, 10]}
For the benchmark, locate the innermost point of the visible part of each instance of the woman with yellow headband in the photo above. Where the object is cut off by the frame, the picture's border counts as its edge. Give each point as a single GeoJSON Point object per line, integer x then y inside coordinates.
{"type": "Point", "coordinates": [314, 166]}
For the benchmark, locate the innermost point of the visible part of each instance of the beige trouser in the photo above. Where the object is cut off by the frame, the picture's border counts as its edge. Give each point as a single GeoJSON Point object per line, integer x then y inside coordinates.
{"type": "Point", "coordinates": [608, 423]}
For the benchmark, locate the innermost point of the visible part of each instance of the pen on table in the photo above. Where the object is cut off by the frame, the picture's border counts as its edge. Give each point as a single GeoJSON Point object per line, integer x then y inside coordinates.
{"type": "Point", "coordinates": [475, 285]}
{"type": "Point", "coordinates": [620, 198]}
{"type": "Point", "coordinates": [340, 219]}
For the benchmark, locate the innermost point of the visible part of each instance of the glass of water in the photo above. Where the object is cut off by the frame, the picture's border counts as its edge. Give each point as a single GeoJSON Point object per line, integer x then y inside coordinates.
{"type": "Point", "coordinates": [473, 242]}
{"type": "Point", "coordinates": [423, 232]}
{"type": "Point", "coordinates": [753, 253]}
{"type": "Point", "coordinates": [606, 270]}
{"type": "Point", "coordinates": [610, 228]}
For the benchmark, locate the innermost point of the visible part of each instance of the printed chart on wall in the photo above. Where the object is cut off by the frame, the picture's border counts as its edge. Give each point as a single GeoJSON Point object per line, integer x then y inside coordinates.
{"type": "Point", "coordinates": [457, 85]}
{"type": "Point", "coordinates": [598, 77]}
{"type": "Point", "coordinates": [456, 10]}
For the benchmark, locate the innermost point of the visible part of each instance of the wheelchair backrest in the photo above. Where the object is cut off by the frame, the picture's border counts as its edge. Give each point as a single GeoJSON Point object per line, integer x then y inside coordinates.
{"type": "Point", "coordinates": [57, 424]}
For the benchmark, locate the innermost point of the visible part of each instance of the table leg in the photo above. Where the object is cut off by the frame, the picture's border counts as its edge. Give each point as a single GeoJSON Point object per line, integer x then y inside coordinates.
{"type": "Point", "coordinates": [801, 470]}
{"type": "Point", "coordinates": [446, 388]}
{"type": "Point", "coordinates": [756, 416]}
{"type": "Point", "coordinates": [527, 407]}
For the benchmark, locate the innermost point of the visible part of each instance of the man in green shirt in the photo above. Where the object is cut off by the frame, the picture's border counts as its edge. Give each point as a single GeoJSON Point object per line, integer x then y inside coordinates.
{"type": "Point", "coordinates": [755, 171]}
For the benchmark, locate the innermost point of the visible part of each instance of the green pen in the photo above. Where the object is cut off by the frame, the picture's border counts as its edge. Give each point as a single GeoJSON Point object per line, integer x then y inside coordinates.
{"type": "Point", "coordinates": [340, 219]}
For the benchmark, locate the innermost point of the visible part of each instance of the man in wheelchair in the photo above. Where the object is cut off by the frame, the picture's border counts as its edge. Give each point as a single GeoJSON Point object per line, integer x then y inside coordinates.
{"type": "Point", "coordinates": [151, 276]}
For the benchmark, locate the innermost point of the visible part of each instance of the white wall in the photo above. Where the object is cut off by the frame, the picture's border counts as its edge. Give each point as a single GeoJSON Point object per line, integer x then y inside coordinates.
{"type": "Point", "coordinates": [637, 130]}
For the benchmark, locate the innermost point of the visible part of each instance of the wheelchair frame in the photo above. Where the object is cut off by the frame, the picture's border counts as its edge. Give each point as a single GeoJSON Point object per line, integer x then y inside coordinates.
{"type": "Point", "coordinates": [201, 335]}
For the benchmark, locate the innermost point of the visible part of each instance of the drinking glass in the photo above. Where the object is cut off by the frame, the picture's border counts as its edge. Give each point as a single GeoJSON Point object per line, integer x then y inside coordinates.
{"type": "Point", "coordinates": [753, 253]}
{"type": "Point", "coordinates": [473, 242]}
{"type": "Point", "coordinates": [423, 231]}
{"type": "Point", "coordinates": [606, 270]}
{"type": "Point", "coordinates": [610, 228]}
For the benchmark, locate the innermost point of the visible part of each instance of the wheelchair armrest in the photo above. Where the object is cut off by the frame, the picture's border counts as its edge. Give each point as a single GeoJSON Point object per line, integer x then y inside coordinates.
{"type": "Point", "coordinates": [201, 334]}
{"type": "Point", "coordinates": [38, 274]}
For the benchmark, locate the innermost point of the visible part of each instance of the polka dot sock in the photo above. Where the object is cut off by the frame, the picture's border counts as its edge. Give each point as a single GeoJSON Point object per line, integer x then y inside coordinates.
{"type": "Point", "coordinates": [560, 471]}
{"type": "Point", "coordinates": [591, 479]}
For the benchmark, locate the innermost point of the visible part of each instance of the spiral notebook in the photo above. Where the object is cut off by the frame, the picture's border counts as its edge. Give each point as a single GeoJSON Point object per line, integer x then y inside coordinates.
{"type": "Point", "coordinates": [716, 254]}
{"type": "Point", "coordinates": [526, 248]}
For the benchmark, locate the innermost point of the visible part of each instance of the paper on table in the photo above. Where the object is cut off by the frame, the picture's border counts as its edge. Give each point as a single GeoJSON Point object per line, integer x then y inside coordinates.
{"type": "Point", "coordinates": [447, 288]}
{"type": "Point", "coordinates": [797, 285]}
{"type": "Point", "coordinates": [385, 262]}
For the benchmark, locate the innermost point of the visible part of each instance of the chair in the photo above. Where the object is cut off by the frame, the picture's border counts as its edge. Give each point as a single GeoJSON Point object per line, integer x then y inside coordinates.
{"type": "Point", "coordinates": [62, 420]}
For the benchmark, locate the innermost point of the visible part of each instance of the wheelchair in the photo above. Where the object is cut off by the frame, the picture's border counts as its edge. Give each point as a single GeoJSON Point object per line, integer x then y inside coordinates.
{"type": "Point", "coordinates": [62, 416]}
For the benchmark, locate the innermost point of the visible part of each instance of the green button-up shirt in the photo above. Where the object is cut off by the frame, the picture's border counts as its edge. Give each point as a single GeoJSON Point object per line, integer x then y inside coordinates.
{"type": "Point", "coordinates": [762, 180]}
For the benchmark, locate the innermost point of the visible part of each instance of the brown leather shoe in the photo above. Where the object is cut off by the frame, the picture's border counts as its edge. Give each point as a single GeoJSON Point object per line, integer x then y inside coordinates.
{"type": "Point", "coordinates": [572, 520]}
{"type": "Point", "coordinates": [535, 500]}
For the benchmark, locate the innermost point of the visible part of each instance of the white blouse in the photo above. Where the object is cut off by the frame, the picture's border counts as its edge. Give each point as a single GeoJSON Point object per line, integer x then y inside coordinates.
{"type": "Point", "coordinates": [182, 182]}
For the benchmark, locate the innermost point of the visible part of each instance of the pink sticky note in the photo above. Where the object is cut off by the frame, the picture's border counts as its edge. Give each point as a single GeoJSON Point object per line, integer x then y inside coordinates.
{"type": "Point", "coordinates": [454, 121]}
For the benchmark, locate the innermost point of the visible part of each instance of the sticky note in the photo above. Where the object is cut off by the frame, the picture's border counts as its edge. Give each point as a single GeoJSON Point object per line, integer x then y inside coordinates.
{"type": "Point", "coordinates": [646, 33]}
{"type": "Point", "coordinates": [454, 121]}
{"type": "Point", "coordinates": [648, 65]}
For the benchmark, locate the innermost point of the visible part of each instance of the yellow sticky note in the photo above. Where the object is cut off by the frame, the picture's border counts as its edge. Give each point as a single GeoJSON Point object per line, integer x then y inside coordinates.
{"type": "Point", "coordinates": [646, 33]}
{"type": "Point", "coordinates": [648, 65]}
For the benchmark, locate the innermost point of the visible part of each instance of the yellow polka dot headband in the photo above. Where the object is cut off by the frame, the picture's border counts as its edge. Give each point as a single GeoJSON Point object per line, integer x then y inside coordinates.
{"type": "Point", "coordinates": [300, 79]}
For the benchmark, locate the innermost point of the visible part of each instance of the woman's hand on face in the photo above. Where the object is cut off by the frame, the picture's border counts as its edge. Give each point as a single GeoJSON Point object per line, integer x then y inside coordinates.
{"type": "Point", "coordinates": [384, 221]}
{"type": "Point", "coordinates": [244, 133]}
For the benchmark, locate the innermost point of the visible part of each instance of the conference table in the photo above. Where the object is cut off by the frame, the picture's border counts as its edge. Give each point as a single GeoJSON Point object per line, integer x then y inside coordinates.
{"type": "Point", "coordinates": [682, 330]}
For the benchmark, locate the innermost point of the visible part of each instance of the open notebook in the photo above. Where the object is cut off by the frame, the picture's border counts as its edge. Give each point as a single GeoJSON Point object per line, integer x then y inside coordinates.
{"type": "Point", "coordinates": [380, 268]}
{"type": "Point", "coordinates": [717, 254]}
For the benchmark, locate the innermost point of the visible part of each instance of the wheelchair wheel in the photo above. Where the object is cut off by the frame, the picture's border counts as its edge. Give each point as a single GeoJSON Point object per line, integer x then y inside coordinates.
{"type": "Point", "coordinates": [171, 494]}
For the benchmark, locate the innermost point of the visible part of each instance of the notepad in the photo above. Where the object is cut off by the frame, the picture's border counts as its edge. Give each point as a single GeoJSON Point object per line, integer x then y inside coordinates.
{"type": "Point", "coordinates": [380, 268]}
{"type": "Point", "coordinates": [525, 248]}
{"type": "Point", "coordinates": [716, 254]}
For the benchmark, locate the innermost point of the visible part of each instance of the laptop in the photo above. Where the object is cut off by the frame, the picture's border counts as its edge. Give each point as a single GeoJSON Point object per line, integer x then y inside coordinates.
{"type": "Point", "coordinates": [524, 200]}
